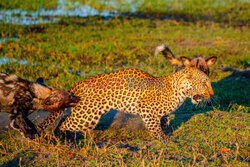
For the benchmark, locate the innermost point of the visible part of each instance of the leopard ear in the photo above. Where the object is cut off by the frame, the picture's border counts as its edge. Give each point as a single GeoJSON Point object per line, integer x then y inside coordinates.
{"type": "Point", "coordinates": [211, 61]}
{"type": "Point", "coordinates": [188, 74]}
{"type": "Point", "coordinates": [186, 61]}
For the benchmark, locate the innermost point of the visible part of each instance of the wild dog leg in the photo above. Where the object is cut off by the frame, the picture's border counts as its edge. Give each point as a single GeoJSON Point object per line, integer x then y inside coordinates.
{"type": "Point", "coordinates": [34, 127]}
{"type": "Point", "coordinates": [21, 123]}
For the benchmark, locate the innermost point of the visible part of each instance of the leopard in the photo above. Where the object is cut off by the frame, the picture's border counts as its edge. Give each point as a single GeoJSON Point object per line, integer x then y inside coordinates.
{"type": "Point", "coordinates": [178, 63]}
{"type": "Point", "coordinates": [136, 92]}
{"type": "Point", "coordinates": [20, 97]}
{"type": "Point", "coordinates": [181, 62]}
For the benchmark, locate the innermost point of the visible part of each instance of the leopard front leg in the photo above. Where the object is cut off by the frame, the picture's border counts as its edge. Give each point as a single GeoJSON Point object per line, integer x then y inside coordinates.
{"type": "Point", "coordinates": [153, 124]}
{"type": "Point", "coordinates": [165, 121]}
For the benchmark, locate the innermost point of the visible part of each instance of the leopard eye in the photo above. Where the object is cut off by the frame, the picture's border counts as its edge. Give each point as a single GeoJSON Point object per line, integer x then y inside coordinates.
{"type": "Point", "coordinates": [205, 83]}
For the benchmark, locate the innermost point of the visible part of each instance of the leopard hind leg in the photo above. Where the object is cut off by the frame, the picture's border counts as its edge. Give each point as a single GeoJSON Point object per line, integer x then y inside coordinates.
{"type": "Point", "coordinates": [51, 119]}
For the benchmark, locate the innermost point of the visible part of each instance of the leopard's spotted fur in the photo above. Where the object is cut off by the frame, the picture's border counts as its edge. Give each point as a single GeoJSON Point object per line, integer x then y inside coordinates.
{"type": "Point", "coordinates": [134, 91]}
{"type": "Point", "coordinates": [182, 62]}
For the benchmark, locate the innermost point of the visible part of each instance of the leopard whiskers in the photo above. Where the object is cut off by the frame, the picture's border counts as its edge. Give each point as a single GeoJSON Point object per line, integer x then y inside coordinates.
{"type": "Point", "coordinates": [213, 100]}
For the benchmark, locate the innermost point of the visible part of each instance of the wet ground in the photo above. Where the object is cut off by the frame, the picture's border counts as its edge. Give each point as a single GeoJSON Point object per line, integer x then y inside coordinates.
{"type": "Point", "coordinates": [64, 8]}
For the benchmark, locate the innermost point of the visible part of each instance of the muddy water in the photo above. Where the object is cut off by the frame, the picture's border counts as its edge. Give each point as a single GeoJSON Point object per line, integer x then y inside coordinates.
{"type": "Point", "coordinates": [64, 8]}
{"type": "Point", "coordinates": [4, 120]}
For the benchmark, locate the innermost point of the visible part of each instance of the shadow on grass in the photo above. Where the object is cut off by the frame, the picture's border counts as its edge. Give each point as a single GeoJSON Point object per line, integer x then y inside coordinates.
{"type": "Point", "coordinates": [234, 89]}
{"type": "Point", "coordinates": [115, 119]}
{"type": "Point", "coordinates": [106, 120]}
{"type": "Point", "coordinates": [20, 159]}
{"type": "Point", "coordinates": [13, 162]}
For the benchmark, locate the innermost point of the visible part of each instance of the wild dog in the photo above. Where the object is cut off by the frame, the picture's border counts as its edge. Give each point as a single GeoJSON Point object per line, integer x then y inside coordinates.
{"type": "Point", "coordinates": [196, 61]}
{"type": "Point", "coordinates": [21, 97]}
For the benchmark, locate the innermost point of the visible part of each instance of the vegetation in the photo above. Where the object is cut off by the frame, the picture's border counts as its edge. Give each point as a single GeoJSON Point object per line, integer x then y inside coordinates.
{"type": "Point", "coordinates": [28, 4]}
{"type": "Point", "coordinates": [233, 12]}
{"type": "Point", "coordinates": [76, 48]}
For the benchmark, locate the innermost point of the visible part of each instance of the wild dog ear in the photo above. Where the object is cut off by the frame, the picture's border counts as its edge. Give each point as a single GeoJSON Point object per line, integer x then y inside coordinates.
{"type": "Point", "coordinates": [211, 61]}
{"type": "Point", "coordinates": [40, 81]}
{"type": "Point", "coordinates": [186, 61]}
{"type": "Point", "coordinates": [175, 61]}
{"type": "Point", "coordinates": [169, 56]}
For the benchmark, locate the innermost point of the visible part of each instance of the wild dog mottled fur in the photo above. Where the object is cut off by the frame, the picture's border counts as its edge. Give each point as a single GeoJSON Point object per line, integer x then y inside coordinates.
{"type": "Point", "coordinates": [20, 97]}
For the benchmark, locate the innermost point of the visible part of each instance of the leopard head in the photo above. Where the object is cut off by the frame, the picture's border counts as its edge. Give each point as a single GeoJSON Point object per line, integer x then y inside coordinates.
{"type": "Point", "coordinates": [197, 84]}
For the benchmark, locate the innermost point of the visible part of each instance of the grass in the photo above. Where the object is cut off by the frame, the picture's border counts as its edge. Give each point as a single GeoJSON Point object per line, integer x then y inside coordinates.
{"type": "Point", "coordinates": [77, 48]}
{"type": "Point", "coordinates": [106, 46]}
{"type": "Point", "coordinates": [234, 12]}
{"type": "Point", "coordinates": [199, 141]}
{"type": "Point", "coordinates": [30, 5]}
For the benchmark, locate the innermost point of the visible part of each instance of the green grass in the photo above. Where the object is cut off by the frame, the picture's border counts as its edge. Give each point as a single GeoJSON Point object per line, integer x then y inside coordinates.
{"type": "Point", "coordinates": [30, 5]}
{"type": "Point", "coordinates": [197, 136]}
{"type": "Point", "coordinates": [94, 47]}
{"type": "Point", "coordinates": [214, 138]}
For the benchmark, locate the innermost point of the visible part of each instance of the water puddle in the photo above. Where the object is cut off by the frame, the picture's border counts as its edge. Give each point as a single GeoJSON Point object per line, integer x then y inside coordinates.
{"type": "Point", "coordinates": [5, 60]}
{"type": "Point", "coordinates": [2, 40]}
{"type": "Point", "coordinates": [64, 8]}
{"type": "Point", "coordinates": [9, 16]}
